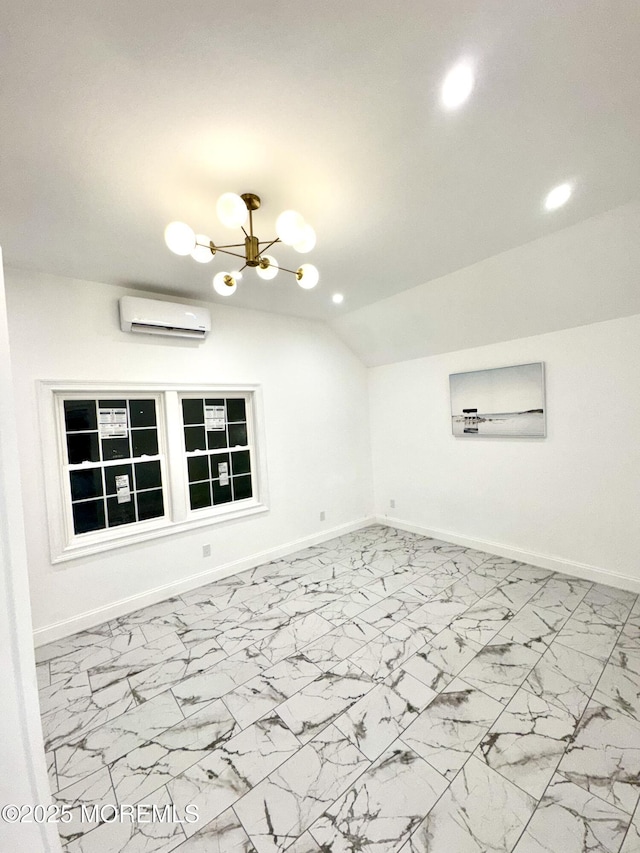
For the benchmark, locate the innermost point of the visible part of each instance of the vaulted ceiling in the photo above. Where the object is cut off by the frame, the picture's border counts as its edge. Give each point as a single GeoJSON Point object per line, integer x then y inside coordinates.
{"type": "Point", "coordinates": [119, 117]}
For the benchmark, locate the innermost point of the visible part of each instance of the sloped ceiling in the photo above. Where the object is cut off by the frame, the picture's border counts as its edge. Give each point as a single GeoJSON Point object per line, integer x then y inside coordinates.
{"type": "Point", "coordinates": [120, 117]}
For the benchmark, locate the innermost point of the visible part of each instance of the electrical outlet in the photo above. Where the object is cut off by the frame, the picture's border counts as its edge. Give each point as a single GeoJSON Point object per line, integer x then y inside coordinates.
{"type": "Point", "coordinates": [392, 503]}
{"type": "Point", "coordinates": [322, 516]}
{"type": "Point", "coordinates": [206, 550]}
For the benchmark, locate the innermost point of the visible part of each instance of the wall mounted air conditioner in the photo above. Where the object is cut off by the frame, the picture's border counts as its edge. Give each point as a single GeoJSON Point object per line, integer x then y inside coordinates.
{"type": "Point", "coordinates": [154, 317]}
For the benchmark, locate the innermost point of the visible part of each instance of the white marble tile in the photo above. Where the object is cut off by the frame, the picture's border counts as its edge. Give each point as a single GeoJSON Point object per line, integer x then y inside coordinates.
{"type": "Point", "coordinates": [604, 757]}
{"type": "Point", "coordinates": [376, 720]}
{"type": "Point", "coordinates": [262, 694]}
{"type": "Point", "coordinates": [386, 652]}
{"type": "Point", "coordinates": [292, 637]}
{"type": "Point", "coordinates": [192, 661]}
{"type": "Point", "coordinates": [451, 726]}
{"type": "Point", "coordinates": [532, 573]}
{"type": "Point", "coordinates": [632, 839]}
{"type": "Point", "coordinates": [534, 627]}
{"type": "Point", "coordinates": [330, 649]}
{"type": "Point", "coordinates": [566, 678]}
{"type": "Point", "coordinates": [96, 789]}
{"type": "Point", "coordinates": [438, 663]}
{"type": "Point", "coordinates": [581, 633]}
{"type": "Point", "coordinates": [150, 766]}
{"type": "Point", "coordinates": [132, 836]}
{"type": "Point", "coordinates": [279, 809]}
{"type": "Point", "coordinates": [619, 686]}
{"type": "Point", "coordinates": [43, 675]}
{"type": "Point", "coordinates": [562, 594]}
{"type": "Point", "coordinates": [349, 606]}
{"type": "Point", "coordinates": [60, 648]}
{"type": "Point", "coordinates": [481, 812]}
{"type": "Point", "coordinates": [135, 661]}
{"type": "Point", "coordinates": [116, 738]}
{"type": "Point", "coordinates": [500, 667]}
{"type": "Point", "coordinates": [570, 820]}
{"type": "Point", "coordinates": [318, 704]}
{"type": "Point", "coordinates": [513, 592]}
{"type": "Point", "coordinates": [306, 843]}
{"type": "Point", "coordinates": [198, 691]}
{"type": "Point", "coordinates": [383, 807]}
{"type": "Point", "coordinates": [390, 610]}
{"type": "Point", "coordinates": [527, 741]}
{"type": "Point", "coordinates": [78, 661]}
{"type": "Point", "coordinates": [240, 636]}
{"type": "Point", "coordinates": [498, 568]}
{"type": "Point", "coordinates": [223, 834]}
{"type": "Point", "coordinates": [55, 697]}
{"type": "Point", "coordinates": [482, 621]}
{"type": "Point", "coordinates": [86, 713]}
{"type": "Point", "coordinates": [435, 615]}
{"type": "Point", "coordinates": [218, 781]}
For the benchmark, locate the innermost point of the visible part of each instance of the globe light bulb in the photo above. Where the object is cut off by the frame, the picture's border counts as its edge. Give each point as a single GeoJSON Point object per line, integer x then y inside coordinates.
{"type": "Point", "coordinates": [179, 238]}
{"type": "Point", "coordinates": [202, 252]}
{"type": "Point", "coordinates": [290, 227]}
{"type": "Point", "coordinates": [337, 298]}
{"type": "Point", "coordinates": [457, 86]}
{"type": "Point", "coordinates": [236, 274]}
{"type": "Point", "coordinates": [224, 284]}
{"type": "Point", "coordinates": [270, 271]}
{"type": "Point", "coordinates": [308, 240]}
{"type": "Point", "coordinates": [558, 196]}
{"type": "Point", "coordinates": [231, 210]}
{"type": "Point", "coordinates": [308, 276]}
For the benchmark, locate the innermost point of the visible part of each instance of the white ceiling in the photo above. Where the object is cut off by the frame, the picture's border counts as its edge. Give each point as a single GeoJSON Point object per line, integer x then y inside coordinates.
{"type": "Point", "coordinates": [119, 117]}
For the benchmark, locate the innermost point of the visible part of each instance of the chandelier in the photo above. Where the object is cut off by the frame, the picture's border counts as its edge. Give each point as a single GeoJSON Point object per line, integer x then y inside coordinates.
{"type": "Point", "coordinates": [233, 211]}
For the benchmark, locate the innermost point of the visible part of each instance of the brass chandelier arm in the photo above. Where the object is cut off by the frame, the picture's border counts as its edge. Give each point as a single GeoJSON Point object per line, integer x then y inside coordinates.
{"type": "Point", "coordinates": [235, 254]}
{"type": "Point", "coordinates": [265, 244]}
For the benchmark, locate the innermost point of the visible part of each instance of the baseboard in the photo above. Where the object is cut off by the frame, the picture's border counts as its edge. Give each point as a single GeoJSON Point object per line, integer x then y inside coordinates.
{"type": "Point", "coordinates": [92, 618]}
{"type": "Point", "coordinates": [544, 561]}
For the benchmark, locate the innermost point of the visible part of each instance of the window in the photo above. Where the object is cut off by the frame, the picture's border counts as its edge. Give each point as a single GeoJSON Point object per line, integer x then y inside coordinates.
{"type": "Point", "coordinates": [113, 463]}
{"type": "Point", "coordinates": [143, 462]}
{"type": "Point", "coordinates": [218, 452]}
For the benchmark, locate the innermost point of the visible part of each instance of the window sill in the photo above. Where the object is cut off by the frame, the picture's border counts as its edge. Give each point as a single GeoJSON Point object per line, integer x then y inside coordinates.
{"type": "Point", "coordinates": [156, 530]}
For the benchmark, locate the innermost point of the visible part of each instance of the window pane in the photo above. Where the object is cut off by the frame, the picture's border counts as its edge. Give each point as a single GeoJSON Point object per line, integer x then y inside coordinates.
{"type": "Point", "coordinates": [194, 438]}
{"type": "Point", "coordinates": [80, 414]}
{"type": "Point", "coordinates": [145, 442]}
{"type": "Point", "coordinates": [192, 412]}
{"type": "Point", "coordinates": [143, 413]}
{"type": "Point", "coordinates": [236, 410]}
{"type": "Point", "coordinates": [114, 471]}
{"type": "Point", "coordinates": [112, 404]}
{"type": "Point", "coordinates": [150, 504]}
{"type": "Point", "coordinates": [198, 468]}
{"type": "Point", "coordinates": [221, 494]}
{"type": "Point", "coordinates": [241, 488]}
{"type": "Point", "coordinates": [216, 438]}
{"type": "Point", "coordinates": [83, 447]}
{"type": "Point", "coordinates": [237, 435]}
{"type": "Point", "coordinates": [240, 462]}
{"type": "Point", "coordinates": [115, 448]}
{"type": "Point", "coordinates": [120, 513]}
{"type": "Point", "coordinates": [148, 475]}
{"type": "Point", "coordinates": [86, 484]}
{"type": "Point", "coordinates": [88, 516]}
{"type": "Point", "coordinates": [217, 459]}
{"type": "Point", "coordinates": [200, 495]}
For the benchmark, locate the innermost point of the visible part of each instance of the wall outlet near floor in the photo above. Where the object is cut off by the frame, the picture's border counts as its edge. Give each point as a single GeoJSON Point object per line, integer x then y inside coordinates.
{"type": "Point", "coordinates": [206, 550]}
{"type": "Point", "coordinates": [392, 503]}
{"type": "Point", "coordinates": [322, 516]}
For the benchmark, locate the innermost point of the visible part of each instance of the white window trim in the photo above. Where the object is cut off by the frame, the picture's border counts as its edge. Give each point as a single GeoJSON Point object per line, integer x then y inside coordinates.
{"type": "Point", "coordinates": [178, 516]}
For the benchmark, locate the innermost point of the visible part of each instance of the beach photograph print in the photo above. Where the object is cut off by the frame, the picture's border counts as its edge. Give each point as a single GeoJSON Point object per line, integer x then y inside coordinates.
{"type": "Point", "coordinates": [503, 401]}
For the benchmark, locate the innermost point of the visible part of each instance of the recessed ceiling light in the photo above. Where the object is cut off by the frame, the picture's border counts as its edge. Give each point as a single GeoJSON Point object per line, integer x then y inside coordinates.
{"type": "Point", "coordinates": [558, 196]}
{"type": "Point", "coordinates": [457, 86]}
{"type": "Point", "coordinates": [337, 298]}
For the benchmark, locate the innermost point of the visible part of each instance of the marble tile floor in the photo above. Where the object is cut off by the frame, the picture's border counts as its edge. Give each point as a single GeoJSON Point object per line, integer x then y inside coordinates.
{"type": "Point", "coordinates": [381, 692]}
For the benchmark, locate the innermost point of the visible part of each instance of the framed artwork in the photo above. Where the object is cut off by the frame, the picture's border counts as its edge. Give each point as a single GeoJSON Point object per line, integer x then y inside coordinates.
{"type": "Point", "coordinates": [506, 402]}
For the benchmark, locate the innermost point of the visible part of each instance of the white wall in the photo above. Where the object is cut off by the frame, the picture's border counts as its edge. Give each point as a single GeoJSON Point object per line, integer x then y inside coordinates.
{"type": "Point", "coordinates": [579, 275]}
{"type": "Point", "coordinates": [316, 419]}
{"type": "Point", "coordinates": [23, 773]}
{"type": "Point", "coordinates": [570, 501]}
